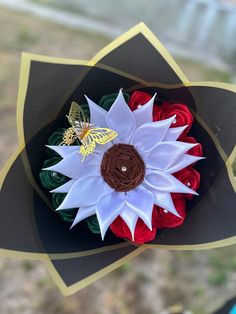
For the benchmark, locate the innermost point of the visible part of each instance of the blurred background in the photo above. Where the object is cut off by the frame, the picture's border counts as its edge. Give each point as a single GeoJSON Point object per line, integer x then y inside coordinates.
{"type": "Point", "coordinates": [201, 35]}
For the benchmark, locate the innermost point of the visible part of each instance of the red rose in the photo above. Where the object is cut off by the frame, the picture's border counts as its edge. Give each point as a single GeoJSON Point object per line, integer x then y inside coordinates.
{"type": "Point", "coordinates": [138, 98]}
{"type": "Point", "coordinates": [165, 219]}
{"type": "Point", "coordinates": [190, 177]}
{"type": "Point", "coordinates": [142, 233]}
{"type": "Point", "coordinates": [156, 110]}
{"type": "Point", "coordinates": [196, 150]}
{"type": "Point", "coordinates": [183, 115]}
{"type": "Point", "coordinates": [159, 114]}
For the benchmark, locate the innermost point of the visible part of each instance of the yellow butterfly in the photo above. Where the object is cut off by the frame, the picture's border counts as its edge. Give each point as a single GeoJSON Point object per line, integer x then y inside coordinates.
{"type": "Point", "coordinates": [88, 134]}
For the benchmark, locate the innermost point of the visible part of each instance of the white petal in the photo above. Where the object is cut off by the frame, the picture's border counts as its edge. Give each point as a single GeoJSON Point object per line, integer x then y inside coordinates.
{"type": "Point", "coordinates": [65, 188]}
{"type": "Point", "coordinates": [130, 218]}
{"type": "Point", "coordinates": [174, 133]}
{"type": "Point", "coordinates": [108, 208]}
{"type": "Point", "coordinates": [72, 166]}
{"type": "Point", "coordinates": [121, 119]}
{"type": "Point", "coordinates": [100, 149]}
{"type": "Point", "coordinates": [97, 114]}
{"type": "Point", "coordinates": [64, 150]}
{"type": "Point", "coordinates": [150, 134]}
{"type": "Point", "coordinates": [141, 202]}
{"type": "Point", "coordinates": [144, 113]}
{"type": "Point", "coordinates": [183, 162]}
{"type": "Point", "coordinates": [164, 155]}
{"type": "Point", "coordinates": [165, 182]}
{"type": "Point", "coordinates": [164, 200]}
{"type": "Point", "coordinates": [85, 192]}
{"type": "Point", "coordinates": [83, 213]}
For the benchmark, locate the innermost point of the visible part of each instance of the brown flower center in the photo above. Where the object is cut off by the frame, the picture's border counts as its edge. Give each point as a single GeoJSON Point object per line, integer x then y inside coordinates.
{"type": "Point", "coordinates": [122, 167]}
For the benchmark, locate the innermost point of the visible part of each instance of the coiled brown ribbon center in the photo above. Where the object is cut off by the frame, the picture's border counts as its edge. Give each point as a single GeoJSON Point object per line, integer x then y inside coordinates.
{"type": "Point", "coordinates": [122, 167]}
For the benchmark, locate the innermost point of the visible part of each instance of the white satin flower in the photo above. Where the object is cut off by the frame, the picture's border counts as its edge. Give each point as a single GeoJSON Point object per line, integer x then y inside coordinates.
{"type": "Point", "coordinates": [160, 151]}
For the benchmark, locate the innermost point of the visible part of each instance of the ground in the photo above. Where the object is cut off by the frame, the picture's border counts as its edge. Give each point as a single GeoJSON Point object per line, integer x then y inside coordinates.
{"type": "Point", "coordinates": [200, 281]}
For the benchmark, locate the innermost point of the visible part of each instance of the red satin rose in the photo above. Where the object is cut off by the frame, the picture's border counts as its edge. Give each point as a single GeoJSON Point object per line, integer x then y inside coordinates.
{"type": "Point", "coordinates": [183, 115]}
{"type": "Point", "coordinates": [165, 219]}
{"type": "Point", "coordinates": [156, 110]}
{"type": "Point", "coordinates": [195, 151]}
{"type": "Point", "coordinates": [191, 178]}
{"type": "Point", "coordinates": [142, 233]}
{"type": "Point", "coordinates": [138, 98]}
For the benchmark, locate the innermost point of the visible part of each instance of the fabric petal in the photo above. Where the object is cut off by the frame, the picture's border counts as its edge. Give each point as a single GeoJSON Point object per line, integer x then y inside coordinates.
{"type": "Point", "coordinates": [144, 113]}
{"type": "Point", "coordinates": [130, 218]}
{"type": "Point", "coordinates": [83, 213]}
{"type": "Point", "coordinates": [97, 114]}
{"type": "Point", "coordinates": [150, 134]}
{"type": "Point", "coordinates": [72, 166]}
{"type": "Point", "coordinates": [121, 119]}
{"type": "Point", "coordinates": [108, 209]}
{"type": "Point", "coordinates": [85, 192]}
{"type": "Point", "coordinates": [100, 149]}
{"type": "Point", "coordinates": [174, 133]}
{"type": "Point", "coordinates": [65, 188]}
{"type": "Point", "coordinates": [141, 202]}
{"type": "Point", "coordinates": [164, 200]}
{"type": "Point", "coordinates": [165, 182]}
{"type": "Point", "coordinates": [164, 155]}
{"type": "Point", "coordinates": [183, 162]}
{"type": "Point", "coordinates": [64, 150]}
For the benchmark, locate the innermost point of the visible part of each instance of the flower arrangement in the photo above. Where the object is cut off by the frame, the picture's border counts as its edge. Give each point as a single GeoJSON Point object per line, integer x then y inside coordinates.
{"type": "Point", "coordinates": [143, 174]}
{"type": "Point", "coordinates": [122, 172]}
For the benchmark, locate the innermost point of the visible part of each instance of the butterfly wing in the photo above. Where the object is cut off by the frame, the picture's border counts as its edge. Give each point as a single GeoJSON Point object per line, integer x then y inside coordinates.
{"type": "Point", "coordinates": [76, 116]}
{"type": "Point", "coordinates": [93, 136]}
{"type": "Point", "coordinates": [102, 135]}
{"type": "Point", "coordinates": [88, 145]}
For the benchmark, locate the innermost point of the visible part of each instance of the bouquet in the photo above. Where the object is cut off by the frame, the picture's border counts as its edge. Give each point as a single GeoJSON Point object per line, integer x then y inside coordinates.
{"type": "Point", "coordinates": [117, 155]}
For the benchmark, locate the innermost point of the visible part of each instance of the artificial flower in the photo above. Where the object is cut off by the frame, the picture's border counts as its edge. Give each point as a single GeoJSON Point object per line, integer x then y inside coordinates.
{"type": "Point", "coordinates": [196, 150]}
{"type": "Point", "coordinates": [190, 177]}
{"type": "Point", "coordinates": [165, 219]}
{"type": "Point", "coordinates": [183, 115]}
{"type": "Point", "coordinates": [138, 99]}
{"type": "Point", "coordinates": [52, 179]}
{"type": "Point", "coordinates": [107, 100]}
{"type": "Point", "coordinates": [142, 233]}
{"type": "Point", "coordinates": [125, 186]}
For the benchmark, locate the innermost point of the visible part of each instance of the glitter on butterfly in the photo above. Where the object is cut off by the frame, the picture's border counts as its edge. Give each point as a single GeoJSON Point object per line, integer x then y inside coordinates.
{"type": "Point", "coordinates": [88, 134]}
